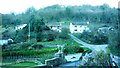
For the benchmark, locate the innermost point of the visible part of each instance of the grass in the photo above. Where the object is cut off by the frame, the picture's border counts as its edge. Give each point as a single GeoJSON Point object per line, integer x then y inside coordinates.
{"type": "Point", "coordinates": [24, 64]}
{"type": "Point", "coordinates": [21, 65]}
{"type": "Point", "coordinates": [67, 42]}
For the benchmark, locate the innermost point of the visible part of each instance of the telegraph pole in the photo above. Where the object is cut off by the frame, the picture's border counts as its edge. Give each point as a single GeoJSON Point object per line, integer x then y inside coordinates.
{"type": "Point", "coordinates": [29, 33]}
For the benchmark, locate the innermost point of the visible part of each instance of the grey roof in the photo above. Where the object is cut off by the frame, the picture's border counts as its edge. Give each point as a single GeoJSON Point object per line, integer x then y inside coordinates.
{"type": "Point", "coordinates": [79, 23]}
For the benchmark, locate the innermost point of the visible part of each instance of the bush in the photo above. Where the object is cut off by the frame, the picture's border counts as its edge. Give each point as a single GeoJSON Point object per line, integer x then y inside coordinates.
{"type": "Point", "coordinates": [29, 52]}
{"type": "Point", "coordinates": [73, 49]}
{"type": "Point", "coordinates": [101, 59]}
{"type": "Point", "coordinates": [64, 34]}
{"type": "Point", "coordinates": [36, 46]}
{"type": "Point", "coordinates": [17, 47]}
{"type": "Point", "coordinates": [93, 37]}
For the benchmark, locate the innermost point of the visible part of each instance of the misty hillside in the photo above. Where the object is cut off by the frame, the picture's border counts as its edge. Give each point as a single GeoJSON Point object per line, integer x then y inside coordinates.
{"type": "Point", "coordinates": [57, 13]}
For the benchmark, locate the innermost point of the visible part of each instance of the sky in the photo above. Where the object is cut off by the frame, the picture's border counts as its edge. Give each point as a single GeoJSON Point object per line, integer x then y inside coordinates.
{"type": "Point", "coordinates": [19, 6]}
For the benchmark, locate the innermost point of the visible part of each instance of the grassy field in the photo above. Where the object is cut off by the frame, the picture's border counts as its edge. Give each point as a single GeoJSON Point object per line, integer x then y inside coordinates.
{"type": "Point", "coordinates": [25, 64]}
{"type": "Point", "coordinates": [67, 42]}
{"type": "Point", "coordinates": [21, 65]}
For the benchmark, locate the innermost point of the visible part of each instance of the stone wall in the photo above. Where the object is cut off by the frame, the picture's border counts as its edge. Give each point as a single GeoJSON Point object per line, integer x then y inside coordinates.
{"type": "Point", "coordinates": [57, 60]}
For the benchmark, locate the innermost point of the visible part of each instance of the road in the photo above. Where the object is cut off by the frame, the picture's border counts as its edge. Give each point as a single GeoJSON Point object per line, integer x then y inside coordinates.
{"type": "Point", "coordinates": [91, 46]}
{"type": "Point", "coordinates": [96, 48]}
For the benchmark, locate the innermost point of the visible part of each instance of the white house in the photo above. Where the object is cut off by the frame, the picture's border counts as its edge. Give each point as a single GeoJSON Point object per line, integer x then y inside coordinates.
{"type": "Point", "coordinates": [105, 29]}
{"type": "Point", "coordinates": [6, 42]}
{"type": "Point", "coordinates": [79, 27]}
{"type": "Point", "coordinates": [18, 27]}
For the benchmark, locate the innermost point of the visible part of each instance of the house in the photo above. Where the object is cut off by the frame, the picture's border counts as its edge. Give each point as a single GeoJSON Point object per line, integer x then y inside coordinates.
{"type": "Point", "coordinates": [19, 27]}
{"type": "Point", "coordinates": [57, 28]}
{"type": "Point", "coordinates": [105, 29]}
{"type": "Point", "coordinates": [79, 27]}
{"type": "Point", "coordinates": [6, 42]}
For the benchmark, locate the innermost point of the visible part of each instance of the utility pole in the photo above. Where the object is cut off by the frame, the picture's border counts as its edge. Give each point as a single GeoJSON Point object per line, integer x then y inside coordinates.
{"type": "Point", "coordinates": [29, 33]}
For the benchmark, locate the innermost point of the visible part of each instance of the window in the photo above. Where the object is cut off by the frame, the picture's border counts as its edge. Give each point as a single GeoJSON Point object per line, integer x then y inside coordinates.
{"type": "Point", "coordinates": [75, 30]}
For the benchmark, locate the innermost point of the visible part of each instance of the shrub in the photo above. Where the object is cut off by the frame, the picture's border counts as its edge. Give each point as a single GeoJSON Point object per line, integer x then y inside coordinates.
{"type": "Point", "coordinates": [73, 49]}
{"type": "Point", "coordinates": [93, 37]}
{"type": "Point", "coordinates": [36, 46]}
{"type": "Point", "coordinates": [101, 59]}
{"type": "Point", "coordinates": [64, 34]}
{"type": "Point", "coordinates": [29, 52]}
{"type": "Point", "coordinates": [17, 47]}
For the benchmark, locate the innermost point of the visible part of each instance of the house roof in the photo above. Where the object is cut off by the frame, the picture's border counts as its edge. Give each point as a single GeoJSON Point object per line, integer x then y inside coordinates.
{"type": "Point", "coordinates": [79, 23]}
{"type": "Point", "coordinates": [54, 24]}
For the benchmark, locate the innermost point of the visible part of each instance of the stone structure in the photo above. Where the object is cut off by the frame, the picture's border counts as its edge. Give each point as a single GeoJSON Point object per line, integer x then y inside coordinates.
{"type": "Point", "coordinates": [59, 58]}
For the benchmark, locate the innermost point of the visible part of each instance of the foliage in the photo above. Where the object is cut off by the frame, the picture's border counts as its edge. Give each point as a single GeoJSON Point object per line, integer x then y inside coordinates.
{"type": "Point", "coordinates": [35, 47]}
{"type": "Point", "coordinates": [17, 47]}
{"type": "Point", "coordinates": [101, 59]}
{"type": "Point", "coordinates": [21, 35]}
{"type": "Point", "coordinates": [38, 18]}
{"type": "Point", "coordinates": [29, 52]}
{"type": "Point", "coordinates": [24, 64]}
{"type": "Point", "coordinates": [96, 14]}
{"type": "Point", "coordinates": [93, 37]}
{"type": "Point", "coordinates": [72, 49]}
{"type": "Point", "coordinates": [64, 34]}
{"type": "Point", "coordinates": [114, 42]}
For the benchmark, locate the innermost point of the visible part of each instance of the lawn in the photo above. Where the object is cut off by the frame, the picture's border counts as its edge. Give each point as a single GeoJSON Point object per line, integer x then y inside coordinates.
{"type": "Point", "coordinates": [20, 65]}
{"type": "Point", "coordinates": [67, 42]}
{"type": "Point", "coordinates": [24, 64]}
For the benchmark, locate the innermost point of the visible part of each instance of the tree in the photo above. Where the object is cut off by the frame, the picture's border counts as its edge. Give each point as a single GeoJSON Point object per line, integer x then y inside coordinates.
{"type": "Point", "coordinates": [21, 35]}
{"type": "Point", "coordinates": [39, 25]}
{"type": "Point", "coordinates": [114, 35]}
{"type": "Point", "coordinates": [64, 34]}
{"type": "Point", "coordinates": [114, 42]}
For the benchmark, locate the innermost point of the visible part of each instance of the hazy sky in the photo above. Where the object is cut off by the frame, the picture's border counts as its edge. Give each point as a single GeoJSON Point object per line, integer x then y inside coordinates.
{"type": "Point", "coordinates": [18, 6]}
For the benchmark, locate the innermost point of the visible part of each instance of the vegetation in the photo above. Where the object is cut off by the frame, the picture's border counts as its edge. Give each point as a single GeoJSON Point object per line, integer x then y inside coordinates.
{"type": "Point", "coordinates": [29, 52]}
{"type": "Point", "coordinates": [114, 43]}
{"type": "Point", "coordinates": [69, 49]}
{"type": "Point", "coordinates": [21, 64]}
{"type": "Point", "coordinates": [25, 64]}
{"type": "Point", "coordinates": [61, 41]}
{"type": "Point", "coordinates": [114, 35]}
{"type": "Point", "coordinates": [41, 34]}
{"type": "Point", "coordinates": [93, 37]}
{"type": "Point", "coordinates": [101, 59]}
{"type": "Point", "coordinates": [39, 18]}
